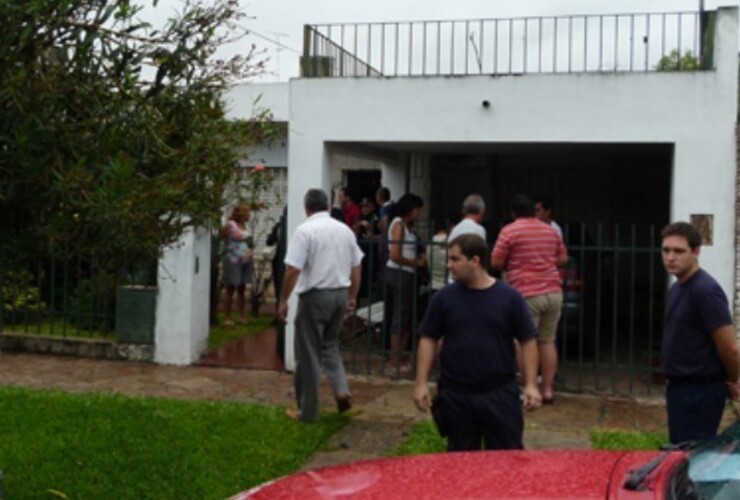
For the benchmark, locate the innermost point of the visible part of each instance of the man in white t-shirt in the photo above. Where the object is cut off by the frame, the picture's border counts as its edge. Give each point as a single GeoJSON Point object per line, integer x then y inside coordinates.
{"type": "Point", "coordinates": [323, 264]}
{"type": "Point", "coordinates": [473, 209]}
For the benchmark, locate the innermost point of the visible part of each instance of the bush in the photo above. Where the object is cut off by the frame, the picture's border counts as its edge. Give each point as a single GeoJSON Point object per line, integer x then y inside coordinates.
{"type": "Point", "coordinates": [92, 305]}
{"type": "Point", "coordinates": [19, 296]}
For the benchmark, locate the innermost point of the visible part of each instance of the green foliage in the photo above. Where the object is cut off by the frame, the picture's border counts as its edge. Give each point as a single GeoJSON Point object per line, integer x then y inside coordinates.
{"type": "Point", "coordinates": [18, 294]}
{"type": "Point", "coordinates": [423, 438]}
{"type": "Point", "coordinates": [676, 62]}
{"type": "Point", "coordinates": [92, 304]}
{"type": "Point", "coordinates": [103, 446]}
{"type": "Point", "coordinates": [603, 439]}
{"type": "Point", "coordinates": [113, 137]}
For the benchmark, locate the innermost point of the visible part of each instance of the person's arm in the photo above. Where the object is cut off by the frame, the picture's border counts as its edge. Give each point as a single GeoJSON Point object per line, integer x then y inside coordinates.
{"type": "Point", "coordinates": [223, 233]}
{"type": "Point", "coordinates": [424, 359]}
{"type": "Point", "coordinates": [530, 364]}
{"type": "Point", "coordinates": [498, 263]}
{"type": "Point", "coordinates": [500, 252]}
{"type": "Point", "coordinates": [289, 281]}
{"type": "Point", "coordinates": [562, 257]}
{"type": "Point", "coordinates": [727, 350]}
{"type": "Point", "coordinates": [354, 287]}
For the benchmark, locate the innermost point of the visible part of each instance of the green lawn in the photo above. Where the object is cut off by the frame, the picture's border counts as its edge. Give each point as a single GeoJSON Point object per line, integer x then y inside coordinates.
{"type": "Point", "coordinates": [57, 445]}
{"type": "Point", "coordinates": [424, 438]}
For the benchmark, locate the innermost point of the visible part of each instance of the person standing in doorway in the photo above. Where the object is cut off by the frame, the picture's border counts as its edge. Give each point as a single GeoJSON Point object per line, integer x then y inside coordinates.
{"type": "Point", "coordinates": [699, 353]}
{"type": "Point", "coordinates": [479, 318]}
{"type": "Point", "coordinates": [530, 252]}
{"type": "Point", "coordinates": [237, 261]}
{"type": "Point", "coordinates": [350, 209]}
{"type": "Point", "coordinates": [322, 264]}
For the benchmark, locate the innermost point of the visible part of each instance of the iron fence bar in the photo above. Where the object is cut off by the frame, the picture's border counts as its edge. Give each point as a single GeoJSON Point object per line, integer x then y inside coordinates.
{"type": "Point", "coordinates": [439, 47]}
{"type": "Point", "coordinates": [424, 50]}
{"type": "Point", "coordinates": [633, 241]}
{"type": "Point", "coordinates": [662, 36]}
{"type": "Point", "coordinates": [615, 305]}
{"type": "Point", "coordinates": [632, 40]}
{"type": "Point", "coordinates": [646, 40]}
{"type": "Point", "coordinates": [511, 44]}
{"type": "Point", "coordinates": [355, 50]}
{"type": "Point", "coordinates": [539, 47]}
{"type": "Point", "coordinates": [369, 47]}
{"type": "Point", "coordinates": [597, 327]}
{"type": "Point", "coordinates": [601, 43]}
{"type": "Point", "coordinates": [452, 47]}
{"type": "Point", "coordinates": [396, 50]}
{"type": "Point", "coordinates": [65, 305]}
{"type": "Point", "coordinates": [382, 47]}
{"type": "Point", "coordinates": [467, 46]}
{"type": "Point", "coordinates": [525, 46]}
{"type": "Point", "coordinates": [555, 45]}
{"type": "Point", "coordinates": [411, 47]}
{"type": "Point", "coordinates": [651, 304]}
{"type": "Point", "coordinates": [678, 40]}
{"type": "Point", "coordinates": [481, 45]}
{"type": "Point", "coordinates": [585, 44]}
{"type": "Point", "coordinates": [570, 43]}
{"type": "Point", "coordinates": [616, 43]}
{"type": "Point", "coordinates": [495, 47]}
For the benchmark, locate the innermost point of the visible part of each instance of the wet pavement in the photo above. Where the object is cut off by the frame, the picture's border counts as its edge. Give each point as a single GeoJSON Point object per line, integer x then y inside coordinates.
{"type": "Point", "coordinates": [382, 416]}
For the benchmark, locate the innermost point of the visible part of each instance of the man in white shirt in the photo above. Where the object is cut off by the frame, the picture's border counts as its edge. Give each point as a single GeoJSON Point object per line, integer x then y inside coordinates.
{"type": "Point", "coordinates": [323, 264]}
{"type": "Point", "coordinates": [473, 209]}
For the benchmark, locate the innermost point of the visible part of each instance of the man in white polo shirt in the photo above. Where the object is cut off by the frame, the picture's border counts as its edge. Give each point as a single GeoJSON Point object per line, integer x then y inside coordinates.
{"type": "Point", "coordinates": [323, 265]}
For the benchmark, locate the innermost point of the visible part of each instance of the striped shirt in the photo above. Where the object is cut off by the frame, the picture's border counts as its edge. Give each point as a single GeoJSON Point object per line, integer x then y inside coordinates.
{"type": "Point", "coordinates": [530, 249]}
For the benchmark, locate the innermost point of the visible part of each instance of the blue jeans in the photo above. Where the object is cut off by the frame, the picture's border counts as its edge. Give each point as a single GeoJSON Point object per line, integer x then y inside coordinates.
{"type": "Point", "coordinates": [695, 409]}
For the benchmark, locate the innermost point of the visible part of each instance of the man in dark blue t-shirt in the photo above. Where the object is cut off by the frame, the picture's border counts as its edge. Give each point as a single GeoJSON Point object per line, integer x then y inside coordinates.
{"type": "Point", "coordinates": [699, 352]}
{"type": "Point", "coordinates": [476, 319]}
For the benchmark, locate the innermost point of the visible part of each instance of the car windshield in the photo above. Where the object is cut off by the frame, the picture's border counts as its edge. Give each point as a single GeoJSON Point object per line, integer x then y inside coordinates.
{"type": "Point", "coordinates": [712, 471]}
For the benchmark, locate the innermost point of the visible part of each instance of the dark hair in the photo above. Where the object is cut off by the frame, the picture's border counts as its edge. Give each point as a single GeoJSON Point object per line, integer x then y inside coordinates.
{"type": "Point", "coordinates": [522, 206]}
{"type": "Point", "coordinates": [406, 204]}
{"type": "Point", "coordinates": [315, 200]}
{"type": "Point", "coordinates": [545, 201]}
{"type": "Point", "coordinates": [684, 229]}
{"type": "Point", "coordinates": [346, 193]}
{"type": "Point", "coordinates": [384, 193]}
{"type": "Point", "coordinates": [472, 245]}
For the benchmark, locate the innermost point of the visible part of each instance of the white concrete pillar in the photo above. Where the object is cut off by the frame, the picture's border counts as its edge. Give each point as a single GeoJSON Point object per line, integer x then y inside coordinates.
{"type": "Point", "coordinates": [183, 281]}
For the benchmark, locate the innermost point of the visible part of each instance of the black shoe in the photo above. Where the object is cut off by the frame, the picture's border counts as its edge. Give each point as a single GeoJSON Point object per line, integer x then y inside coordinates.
{"type": "Point", "coordinates": [344, 403]}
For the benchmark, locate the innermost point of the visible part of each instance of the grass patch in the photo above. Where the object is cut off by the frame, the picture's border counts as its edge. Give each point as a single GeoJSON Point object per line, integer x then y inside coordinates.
{"type": "Point", "coordinates": [603, 439]}
{"type": "Point", "coordinates": [112, 446]}
{"type": "Point", "coordinates": [220, 335]}
{"type": "Point", "coordinates": [423, 438]}
{"type": "Point", "coordinates": [56, 328]}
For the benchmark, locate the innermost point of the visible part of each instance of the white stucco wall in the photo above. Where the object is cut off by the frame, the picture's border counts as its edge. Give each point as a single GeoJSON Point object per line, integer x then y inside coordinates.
{"type": "Point", "coordinates": [183, 281]}
{"type": "Point", "coordinates": [696, 111]}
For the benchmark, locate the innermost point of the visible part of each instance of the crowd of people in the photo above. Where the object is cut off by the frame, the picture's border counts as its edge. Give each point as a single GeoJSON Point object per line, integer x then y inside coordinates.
{"type": "Point", "coordinates": [493, 312]}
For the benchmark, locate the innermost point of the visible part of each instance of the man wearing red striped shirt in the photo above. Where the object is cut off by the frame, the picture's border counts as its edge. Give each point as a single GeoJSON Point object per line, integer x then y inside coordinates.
{"type": "Point", "coordinates": [530, 252]}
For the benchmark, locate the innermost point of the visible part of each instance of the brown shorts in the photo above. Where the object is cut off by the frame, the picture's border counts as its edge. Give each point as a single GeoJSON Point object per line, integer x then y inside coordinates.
{"type": "Point", "coordinates": [545, 312]}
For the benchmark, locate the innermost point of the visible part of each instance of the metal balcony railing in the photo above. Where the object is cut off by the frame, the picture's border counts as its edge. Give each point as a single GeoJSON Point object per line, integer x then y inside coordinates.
{"type": "Point", "coordinates": [568, 44]}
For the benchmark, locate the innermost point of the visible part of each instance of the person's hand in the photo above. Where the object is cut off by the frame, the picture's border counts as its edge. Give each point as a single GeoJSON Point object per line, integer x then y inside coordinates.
{"type": "Point", "coordinates": [351, 306]}
{"type": "Point", "coordinates": [422, 397]}
{"type": "Point", "coordinates": [421, 261]}
{"type": "Point", "coordinates": [282, 311]}
{"type": "Point", "coordinates": [531, 398]}
{"type": "Point", "coordinates": [734, 388]}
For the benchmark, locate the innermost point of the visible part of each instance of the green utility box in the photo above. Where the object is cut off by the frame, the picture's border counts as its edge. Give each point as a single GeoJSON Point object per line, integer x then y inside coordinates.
{"type": "Point", "coordinates": [135, 313]}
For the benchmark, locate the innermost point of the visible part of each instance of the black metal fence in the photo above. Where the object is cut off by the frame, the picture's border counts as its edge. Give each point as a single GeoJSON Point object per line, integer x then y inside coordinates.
{"type": "Point", "coordinates": [54, 293]}
{"type": "Point", "coordinates": [564, 44]}
{"type": "Point", "coordinates": [608, 339]}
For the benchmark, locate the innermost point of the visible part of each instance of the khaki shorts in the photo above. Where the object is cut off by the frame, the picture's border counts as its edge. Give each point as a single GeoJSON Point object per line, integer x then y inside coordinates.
{"type": "Point", "coordinates": [545, 312]}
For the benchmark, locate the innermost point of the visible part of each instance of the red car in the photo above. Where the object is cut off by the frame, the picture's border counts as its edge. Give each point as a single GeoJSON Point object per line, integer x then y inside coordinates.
{"type": "Point", "coordinates": [710, 470]}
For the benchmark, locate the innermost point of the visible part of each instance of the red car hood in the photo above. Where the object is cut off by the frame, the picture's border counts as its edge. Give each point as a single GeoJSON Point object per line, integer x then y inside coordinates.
{"type": "Point", "coordinates": [497, 474]}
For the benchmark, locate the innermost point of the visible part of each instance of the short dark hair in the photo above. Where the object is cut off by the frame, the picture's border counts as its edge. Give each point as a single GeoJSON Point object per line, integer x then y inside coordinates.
{"type": "Point", "coordinates": [522, 206]}
{"type": "Point", "coordinates": [346, 193]}
{"type": "Point", "coordinates": [384, 193]}
{"type": "Point", "coordinates": [684, 229]}
{"type": "Point", "coordinates": [545, 201]}
{"type": "Point", "coordinates": [407, 203]}
{"type": "Point", "coordinates": [472, 245]}
{"type": "Point", "coordinates": [315, 200]}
